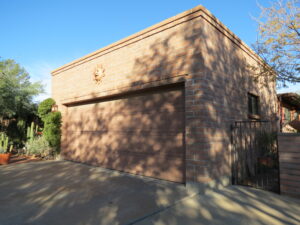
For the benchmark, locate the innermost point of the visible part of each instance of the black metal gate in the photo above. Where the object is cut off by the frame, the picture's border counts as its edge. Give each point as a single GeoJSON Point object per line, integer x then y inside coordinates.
{"type": "Point", "coordinates": [255, 155]}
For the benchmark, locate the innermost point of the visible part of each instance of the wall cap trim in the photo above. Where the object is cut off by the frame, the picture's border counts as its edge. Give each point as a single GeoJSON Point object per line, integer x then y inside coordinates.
{"type": "Point", "coordinates": [198, 11]}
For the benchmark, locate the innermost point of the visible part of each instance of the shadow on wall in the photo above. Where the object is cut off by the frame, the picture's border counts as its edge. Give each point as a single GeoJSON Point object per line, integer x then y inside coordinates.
{"type": "Point", "coordinates": [160, 132]}
{"type": "Point", "coordinates": [215, 92]}
{"type": "Point", "coordinates": [143, 132]}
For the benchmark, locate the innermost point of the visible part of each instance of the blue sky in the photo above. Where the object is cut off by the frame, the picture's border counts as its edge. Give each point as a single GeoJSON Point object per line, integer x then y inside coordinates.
{"type": "Point", "coordinates": [43, 35]}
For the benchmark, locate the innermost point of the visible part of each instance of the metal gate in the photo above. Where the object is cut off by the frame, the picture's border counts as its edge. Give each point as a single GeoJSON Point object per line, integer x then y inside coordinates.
{"type": "Point", "coordinates": [255, 155]}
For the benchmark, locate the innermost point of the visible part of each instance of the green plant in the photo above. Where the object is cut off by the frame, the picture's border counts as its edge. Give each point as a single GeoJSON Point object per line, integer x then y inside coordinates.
{"type": "Point", "coordinates": [31, 131]}
{"type": "Point", "coordinates": [16, 91]}
{"type": "Point", "coordinates": [52, 123]}
{"type": "Point", "coordinates": [39, 146]}
{"type": "Point", "coordinates": [52, 132]}
{"type": "Point", "coordinates": [4, 143]}
{"type": "Point", "coordinates": [16, 131]}
{"type": "Point", "coordinates": [45, 107]}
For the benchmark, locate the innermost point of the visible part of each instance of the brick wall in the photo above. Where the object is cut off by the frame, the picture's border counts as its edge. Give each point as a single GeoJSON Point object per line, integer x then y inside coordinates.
{"type": "Point", "coordinates": [196, 49]}
{"type": "Point", "coordinates": [289, 162]}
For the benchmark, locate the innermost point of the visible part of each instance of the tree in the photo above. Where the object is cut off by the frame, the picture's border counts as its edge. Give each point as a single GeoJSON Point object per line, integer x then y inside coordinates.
{"type": "Point", "coordinates": [45, 107]}
{"type": "Point", "coordinates": [278, 42]}
{"type": "Point", "coordinates": [16, 90]}
{"type": "Point", "coordinates": [52, 123]}
{"type": "Point", "coordinates": [52, 131]}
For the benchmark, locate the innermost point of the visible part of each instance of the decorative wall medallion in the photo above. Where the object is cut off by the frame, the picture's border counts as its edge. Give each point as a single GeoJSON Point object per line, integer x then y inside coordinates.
{"type": "Point", "coordinates": [99, 74]}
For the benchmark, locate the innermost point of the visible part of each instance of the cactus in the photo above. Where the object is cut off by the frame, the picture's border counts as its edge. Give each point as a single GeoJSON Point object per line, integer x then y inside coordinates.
{"type": "Point", "coordinates": [36, 128]}
{"type": "Point", "coordinates": [30, 132]}
{"type": "Point", "coordinates": [4, 143]}
{"type": "Point", "coordinates": [11, 148]}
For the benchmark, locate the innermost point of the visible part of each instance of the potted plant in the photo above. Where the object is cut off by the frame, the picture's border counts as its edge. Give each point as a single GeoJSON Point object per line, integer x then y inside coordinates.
{"type": "Point", "coordinates": [4, 156]}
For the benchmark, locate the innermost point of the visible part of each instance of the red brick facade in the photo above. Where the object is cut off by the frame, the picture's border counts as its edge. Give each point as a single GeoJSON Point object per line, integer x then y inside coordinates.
{"type": "Point", "coordinates": [192, 48]}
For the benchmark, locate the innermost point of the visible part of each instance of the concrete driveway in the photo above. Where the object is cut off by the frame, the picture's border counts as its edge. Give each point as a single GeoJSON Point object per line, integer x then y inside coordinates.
{"type": "Point", "coordinates": [61, 192]}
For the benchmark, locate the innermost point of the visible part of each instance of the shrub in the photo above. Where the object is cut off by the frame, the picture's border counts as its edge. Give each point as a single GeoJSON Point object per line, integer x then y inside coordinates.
{"type": "Point", "coordinates": [52, 123]}
{"type": "Point", "coordinates": [39, 146]}
{"type": "Point", "coordinates": [45, 107]}
{"type": "Point", "coordinates": [16, 131]}
{"type": "Point", "coordinates": [52, 132]}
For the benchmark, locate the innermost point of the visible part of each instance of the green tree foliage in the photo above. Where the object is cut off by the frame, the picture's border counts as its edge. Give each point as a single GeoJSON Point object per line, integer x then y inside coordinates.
{"type": "Point", "coordinates": [52, 123]}
{"type": "Point", "coordinates": [17, 109]}
{"type": "Point", "coordinates": [16, 90]}
{"type": "Point", "coordinates": [16, 130]}
{"type": "Point", "coordinates": [279, 41]}
{"type": "Point", "coordinates": [45, 107]}
{"type": "Point", "coordinates": [52, 132]}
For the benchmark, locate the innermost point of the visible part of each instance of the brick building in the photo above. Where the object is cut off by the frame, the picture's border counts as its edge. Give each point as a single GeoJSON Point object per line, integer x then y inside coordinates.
{"type": "Point", "coordinates": [160, 103]}
{"type": "Point", "coordinates": [289, 112]}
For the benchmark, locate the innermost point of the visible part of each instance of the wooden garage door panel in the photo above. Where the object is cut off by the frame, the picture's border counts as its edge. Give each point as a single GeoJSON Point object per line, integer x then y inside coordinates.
{"type": "Point", "coordinates": [139, 133]}
{"type": "Point", "coordinates": [150, 112]}
{"type": "Point", "coordinates": [138, 121]}
{"type": "Point", "coordinates": [110, 142]}
{"type": "Point", "coordinates": [158, 166]}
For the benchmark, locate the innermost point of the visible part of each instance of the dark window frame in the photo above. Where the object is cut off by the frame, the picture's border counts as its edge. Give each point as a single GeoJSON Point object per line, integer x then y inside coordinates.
{"type": "Point", "coordinates": [253, 106]}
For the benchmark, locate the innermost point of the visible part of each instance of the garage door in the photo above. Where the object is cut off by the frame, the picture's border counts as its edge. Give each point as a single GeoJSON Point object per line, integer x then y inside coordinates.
{"type": "Point", "coordinates": [140, 133]}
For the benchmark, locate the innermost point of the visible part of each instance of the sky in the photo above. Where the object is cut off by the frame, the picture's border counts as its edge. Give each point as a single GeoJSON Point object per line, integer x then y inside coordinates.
{"type": "Point", "coordinates": [43, 35]}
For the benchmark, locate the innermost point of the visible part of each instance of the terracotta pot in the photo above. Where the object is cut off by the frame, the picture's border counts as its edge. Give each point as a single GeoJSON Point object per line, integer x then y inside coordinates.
{"type": "Point", "coordinates": [4, 158]}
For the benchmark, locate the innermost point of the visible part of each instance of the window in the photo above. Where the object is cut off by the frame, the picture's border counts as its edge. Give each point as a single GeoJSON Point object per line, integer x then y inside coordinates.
{"type": "Point", "coordinates": [253, 105]}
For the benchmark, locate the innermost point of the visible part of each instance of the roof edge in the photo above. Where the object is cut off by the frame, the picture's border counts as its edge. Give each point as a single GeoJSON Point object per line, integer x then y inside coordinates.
{"type": "Point", "coordinates": [196, 9]}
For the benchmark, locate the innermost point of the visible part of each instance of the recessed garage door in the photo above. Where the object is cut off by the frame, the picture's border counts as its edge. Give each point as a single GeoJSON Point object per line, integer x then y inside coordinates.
{"type": "Point", "coordinates": [140, 133]}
